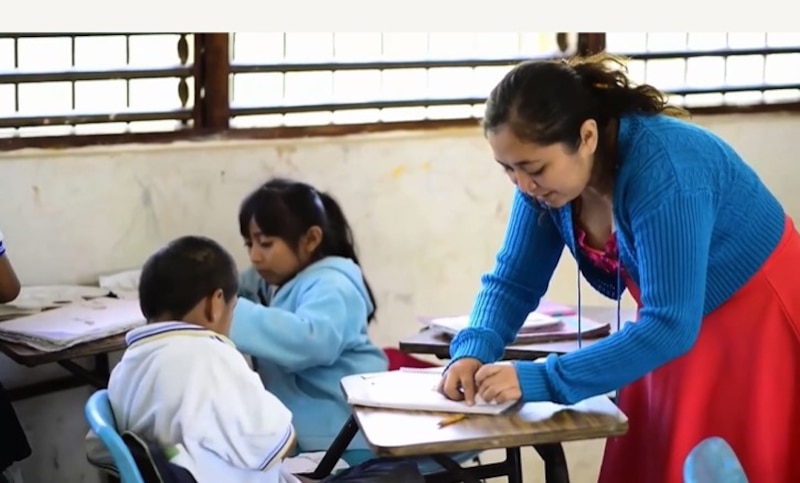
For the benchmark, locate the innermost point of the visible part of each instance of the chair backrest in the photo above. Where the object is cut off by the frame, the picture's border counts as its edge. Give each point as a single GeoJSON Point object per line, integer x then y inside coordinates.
{"type": "Point", "coordinates": [713, 461]}
{"type": "Point", "coordinates": [101, 419]}
{"type": "Point", "coordinates": [398, 359]}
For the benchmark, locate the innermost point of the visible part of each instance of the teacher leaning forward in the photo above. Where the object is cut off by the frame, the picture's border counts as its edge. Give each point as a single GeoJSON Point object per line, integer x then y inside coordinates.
{"type": "Point", "coordinates": [661, 207]}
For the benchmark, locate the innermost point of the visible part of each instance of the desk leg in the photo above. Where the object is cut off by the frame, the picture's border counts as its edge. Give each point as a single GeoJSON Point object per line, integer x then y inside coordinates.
{"type": "Point", "coordinates": [336, 450]}
{"type": "Point", "coordinates": [454, 469]}
{"type": "Point", "coordinates": [514, 464]}
{"type": "Point", "coordinates": [97, 377]}
{"type": "Point", "coordinates": [555, 463]}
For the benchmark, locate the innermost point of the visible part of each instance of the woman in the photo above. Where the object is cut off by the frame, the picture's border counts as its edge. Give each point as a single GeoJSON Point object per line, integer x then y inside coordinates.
{"type": "Point", "coordinates": [13, 443]}
{"type": "Point", "coordinates": [664, 208]}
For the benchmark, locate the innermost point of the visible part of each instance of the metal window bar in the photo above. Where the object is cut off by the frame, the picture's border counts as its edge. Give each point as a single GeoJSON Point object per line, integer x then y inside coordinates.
{"type": "Point", "coordinates": [281, 109]}
{"type": "Point", "coordinates": [724, 93]}
{"type": "Point", "coordinates": [181, 71]}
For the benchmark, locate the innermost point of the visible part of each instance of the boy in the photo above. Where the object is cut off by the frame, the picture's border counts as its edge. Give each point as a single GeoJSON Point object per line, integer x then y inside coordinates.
{"type": "Point", "coordinates": [183, 385]}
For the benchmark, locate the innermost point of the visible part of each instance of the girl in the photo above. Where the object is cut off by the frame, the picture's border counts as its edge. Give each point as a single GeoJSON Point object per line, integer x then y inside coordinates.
{"type": "Point", "coordinates": [182, 385]}
{"type": "Point", "coordinates": [669, 210]}
{"type": "Point", "coordinates": [13, 443]}
{"type": "Point", "coordinates": [305, 308]}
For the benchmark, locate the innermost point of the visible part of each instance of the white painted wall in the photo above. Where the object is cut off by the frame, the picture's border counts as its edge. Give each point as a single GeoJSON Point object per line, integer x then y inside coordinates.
{"type": "Point", "coordinates": [428, 209]}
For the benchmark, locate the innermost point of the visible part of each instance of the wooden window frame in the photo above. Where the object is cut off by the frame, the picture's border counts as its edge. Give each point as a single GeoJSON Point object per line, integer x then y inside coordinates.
{"type": "Point", "coordinates": [211, 112]}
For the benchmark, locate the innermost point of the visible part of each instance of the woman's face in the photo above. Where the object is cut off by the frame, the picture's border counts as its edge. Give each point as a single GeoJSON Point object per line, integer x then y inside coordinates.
{"type": "Point", "coordinates": [552, 174]}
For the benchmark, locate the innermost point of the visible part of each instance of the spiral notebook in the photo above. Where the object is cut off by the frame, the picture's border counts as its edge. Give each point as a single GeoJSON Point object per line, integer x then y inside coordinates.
{"type": "Point", "coordinates": [410, 390]}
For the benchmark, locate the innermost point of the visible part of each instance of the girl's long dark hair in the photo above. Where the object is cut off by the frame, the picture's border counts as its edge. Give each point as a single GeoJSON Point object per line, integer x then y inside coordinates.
{"type": "Point", "coordinates": [286, 209]}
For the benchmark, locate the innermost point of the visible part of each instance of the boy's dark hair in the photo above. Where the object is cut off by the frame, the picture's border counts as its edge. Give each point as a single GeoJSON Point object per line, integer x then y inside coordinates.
{"type": "Point", "coordinates": [178, 276]}
{"type": "Point", "coordinates": [286, 209]}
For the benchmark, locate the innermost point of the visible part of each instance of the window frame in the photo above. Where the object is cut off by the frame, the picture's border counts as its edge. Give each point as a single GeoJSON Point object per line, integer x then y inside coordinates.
{"type": "Point", "coordinates": [211, 111]}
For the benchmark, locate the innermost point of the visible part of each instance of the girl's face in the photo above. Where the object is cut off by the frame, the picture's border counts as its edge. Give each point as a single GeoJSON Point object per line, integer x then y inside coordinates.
{"type": "Point", "coordinates": [274, 260]}
{"type": "Point", "coordinates": [551, 174]}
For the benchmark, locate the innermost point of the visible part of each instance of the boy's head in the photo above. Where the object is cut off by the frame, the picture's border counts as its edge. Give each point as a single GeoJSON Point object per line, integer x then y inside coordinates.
{"type": "Point", "coordinates": [191, 279]}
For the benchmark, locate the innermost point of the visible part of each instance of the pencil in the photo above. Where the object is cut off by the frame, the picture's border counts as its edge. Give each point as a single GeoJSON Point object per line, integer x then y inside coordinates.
{"type": "Point", "coordinates": [452, 420]}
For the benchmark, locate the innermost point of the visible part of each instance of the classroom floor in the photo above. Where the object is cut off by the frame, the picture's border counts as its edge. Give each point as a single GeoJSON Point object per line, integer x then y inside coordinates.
{"type": "Point", "coordinates": [583, 458]}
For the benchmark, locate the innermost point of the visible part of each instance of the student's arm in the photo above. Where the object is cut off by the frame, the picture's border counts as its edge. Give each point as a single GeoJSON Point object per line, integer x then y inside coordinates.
{"type": "Point", "coordinates": [525, 263]}
{"type": "Point", "coordinates": [9, 284]}
{"type": "Point", "coordinates": [672, 246]}
{"type": "Point", "coordinates": [248, 284]}
{"type": "Point", "coordinates": [316, 334]}
{"type": "Point", "coordinates": [241, 422]}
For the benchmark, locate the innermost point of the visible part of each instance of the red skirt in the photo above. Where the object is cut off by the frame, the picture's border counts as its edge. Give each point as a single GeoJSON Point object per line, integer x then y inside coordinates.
{"type": "Point", "coordinates": [741, 382]}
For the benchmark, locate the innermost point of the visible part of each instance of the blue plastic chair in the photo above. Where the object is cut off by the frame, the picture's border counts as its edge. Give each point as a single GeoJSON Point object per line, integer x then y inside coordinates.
{"type": "Point", "coordinates": [101, 419]}
{"type": "Point", "coordinates": [713, 461]}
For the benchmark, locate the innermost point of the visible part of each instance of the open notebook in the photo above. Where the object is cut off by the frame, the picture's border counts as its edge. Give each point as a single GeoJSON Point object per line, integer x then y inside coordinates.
{"type": "Point", "coordinates": [410, 390]}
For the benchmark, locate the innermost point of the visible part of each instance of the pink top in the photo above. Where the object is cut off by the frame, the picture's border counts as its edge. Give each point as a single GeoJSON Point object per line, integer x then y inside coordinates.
{"type": "Point", "coordinates": [607, 259]}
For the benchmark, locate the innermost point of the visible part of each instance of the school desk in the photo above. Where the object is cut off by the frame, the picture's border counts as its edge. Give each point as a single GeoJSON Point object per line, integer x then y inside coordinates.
{"type": "Point", "coordinates": [436, 342]}
{"type": "Point", "coordinates": [78, 376]}
{"type": "Point", "coordinates": [402, 434]}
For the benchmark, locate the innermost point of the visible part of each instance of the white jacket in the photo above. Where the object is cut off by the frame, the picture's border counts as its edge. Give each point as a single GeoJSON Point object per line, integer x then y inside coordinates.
{"type": "Point", "coordinates": [182, 386]}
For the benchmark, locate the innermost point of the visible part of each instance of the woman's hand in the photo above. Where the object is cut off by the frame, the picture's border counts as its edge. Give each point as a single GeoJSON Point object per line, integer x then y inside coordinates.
{"type": "Point", "coordinates": [458, 383]}
{"type": "Point", "coordinates": [498, 383]}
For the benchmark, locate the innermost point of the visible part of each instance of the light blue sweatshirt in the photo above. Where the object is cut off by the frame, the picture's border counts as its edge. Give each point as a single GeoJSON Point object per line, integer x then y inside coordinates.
{"type": "Point", "coordinates": [304, 338]}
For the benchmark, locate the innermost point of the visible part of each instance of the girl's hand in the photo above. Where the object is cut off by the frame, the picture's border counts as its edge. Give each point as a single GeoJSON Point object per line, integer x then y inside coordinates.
{"type": "Point", "coordinates": [498, 383]}
{"type": "Point", "coordinates": [458, 383]}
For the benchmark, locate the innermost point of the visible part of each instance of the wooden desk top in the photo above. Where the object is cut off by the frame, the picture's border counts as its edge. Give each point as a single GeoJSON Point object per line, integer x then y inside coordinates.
{"type": "Point", "coordinates": [401, 433]}
{"type": "Point", "coordinates": [436, 342]}
{"type": "Point", "coordinates": [30, 357]}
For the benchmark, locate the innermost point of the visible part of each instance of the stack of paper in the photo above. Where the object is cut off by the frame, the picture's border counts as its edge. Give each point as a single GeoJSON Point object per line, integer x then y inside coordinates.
{"type": "Point", "coordinates": [536, 322]}
{"type": "Point", "coordinates": [73, 324]}
{"type": "Point", "coordinates": [410, 390]}
{"type": "Point", "coordinates": [36, 298]}
{"type": "Point", "coordinates": [124, 285]}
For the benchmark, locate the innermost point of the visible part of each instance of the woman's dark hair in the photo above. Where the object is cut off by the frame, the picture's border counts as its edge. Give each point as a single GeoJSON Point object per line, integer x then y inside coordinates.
{"type": "Point", "coordinates": [286, 209]}
{"type": "Point", "coordinates": [181, 274]}
{"type": "Point", "coordinates": [546, 102]}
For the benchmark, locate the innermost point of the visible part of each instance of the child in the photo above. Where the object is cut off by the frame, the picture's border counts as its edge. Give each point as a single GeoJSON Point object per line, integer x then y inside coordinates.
{"type": "Point", "coordinates": [13, 443]}
{"type": "Point", "coordinates": [182, 384]}
{"type": "Point", "coordinates": [304, 308]}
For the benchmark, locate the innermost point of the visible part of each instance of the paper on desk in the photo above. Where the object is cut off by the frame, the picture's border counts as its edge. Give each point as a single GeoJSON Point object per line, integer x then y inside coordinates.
{"type": "Point", "coordinates": [36, 298]}
{"type": "Point", "coordinates": [73, 324]}
{"type": "Point", "coordinates": [540, 411]}
{"type": "Point", "coordinates": [411, 390]}
{"type": "Point", "coordinates": [124, 285]}
{"type": "Point", "coordinates": [535, 322]}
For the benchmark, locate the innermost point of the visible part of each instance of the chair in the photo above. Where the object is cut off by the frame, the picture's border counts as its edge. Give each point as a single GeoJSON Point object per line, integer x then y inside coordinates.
{"type": "Point", "coordinates": [101, 420]}
{"type": "Point", "coordinates": [713, 461]}
{"type": "Point", "coordinates": [398, 359]}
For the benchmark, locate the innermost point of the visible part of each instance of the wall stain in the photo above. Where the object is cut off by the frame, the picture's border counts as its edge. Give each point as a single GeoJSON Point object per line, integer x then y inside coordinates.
{"type": "Point", "coordinates": [498, 209]}
{"type": "Point", "coordinates": [37, 196]}
{"type": "Point", "coordinates": [398, 172]}
{"type": "Point", "coordinates": [147, 197]}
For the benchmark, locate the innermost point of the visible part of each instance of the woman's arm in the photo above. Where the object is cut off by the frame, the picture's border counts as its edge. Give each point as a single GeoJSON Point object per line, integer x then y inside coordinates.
{"type": "Point", "coordinates": [525, 263]}
{"type": "Point", "coordinates": [672, 245]}
{"type": "Point", "coordinates": [9, 284]}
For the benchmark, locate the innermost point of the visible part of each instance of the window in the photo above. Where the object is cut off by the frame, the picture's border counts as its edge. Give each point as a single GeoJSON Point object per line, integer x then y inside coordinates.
{"type": "Point", "coordinates": [314, 79]}
{"type": "Point", "coordinates": [704, 70]}
{"type": "Point", "coordinates": [78, 88]}
{"type": "Point", "coordinates": [76, 84]}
